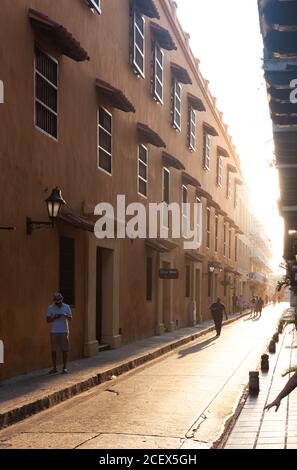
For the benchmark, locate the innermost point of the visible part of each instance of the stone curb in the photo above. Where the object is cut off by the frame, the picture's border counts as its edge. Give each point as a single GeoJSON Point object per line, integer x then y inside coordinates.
{"type": "Point", "coordinates": [15, 415]}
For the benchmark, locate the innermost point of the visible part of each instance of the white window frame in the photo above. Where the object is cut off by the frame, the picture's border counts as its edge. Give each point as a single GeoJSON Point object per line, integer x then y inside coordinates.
{"type": "Point", "coordinates": [225, 240]}
{"type": "Point", "coordinates": [36, 100]}
{"type": "Point", "coordinates": [156, 79]}
{"type": "Point", "coordinates": [94, 5]}
{"type": "Point", "coordinates": [184, 210]}
{"type": "Point", "coordinates": [235, 195]}
{"type": "Point", "coordinates": [230, 243]}
{"type": "Point", "coordinates": [229, 185]}
{"type": "Point", "coordinates": [165, 217]}
{"type": "Point", "coordinates": [207, 151]}
{"type": "Point", "coordinates": [217, 233]}
{"type": "Point", "coordinates": [98, 140]}
{"type": "Point", "coordinates": [220, 172]}
{"type": "Point", "coordinates": [136, 67]}
{"type": "Point", "coordinates": [177, 100]}
{"type": "Point", "coordinates": [192, 129]}
{"type": "Point", "coordinates": [208, 228]}
{"type": "Point", "coordinates": [139, 177]}
{"type": "Point", "coordinates": [199, 219]}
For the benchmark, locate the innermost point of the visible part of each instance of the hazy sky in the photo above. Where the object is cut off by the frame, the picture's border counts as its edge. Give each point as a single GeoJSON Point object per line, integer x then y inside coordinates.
{"type": "Point", "coordinates": [225, 36]}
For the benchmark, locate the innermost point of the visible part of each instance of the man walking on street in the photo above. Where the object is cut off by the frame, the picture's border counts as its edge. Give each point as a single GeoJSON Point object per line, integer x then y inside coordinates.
{"type": "Point", "coordinates": [217, 311]}
{"type": "Point", "coordinates": [58, 315]}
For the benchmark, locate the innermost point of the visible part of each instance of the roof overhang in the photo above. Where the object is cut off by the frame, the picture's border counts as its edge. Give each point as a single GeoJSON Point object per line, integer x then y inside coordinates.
{"type": "Point", "coordinates": [114, 96]}
{"type": "Point", "coordinates": [57, 36]}
{"type": "Point", "coordinates": [170, 161]}
{"type": "Point", "coordinates": [190, 180]}
{"type": "Point", "coordinates": [147, 8]}
{"type": "Point", "coordinates": [192, 255]}
{"type": "Point", "coordinates": [203, 193]}
{"type": "Point", "coordinates": [162, 36]}
{"type": "Point", "coordinates": [148, 136]}
{"type": "Point", "coordinates": [210, 130]}
{"type": "Point", "coordinates": [156, 245]}
{"type": "Point", "coordinates": [196, 103]}
{"type": "Point", "coordinates": [181, 74]}
{"type": "Point", "coordinates": [238, 181]}
{"type": "Point", "coordinates": [76, 219]}
{"type": "Point", "coordinates": [231, 168]}
{"type": "Point", "coordinates": [214, 204]}
{"type": "Point", "coordinates": [221, 152]}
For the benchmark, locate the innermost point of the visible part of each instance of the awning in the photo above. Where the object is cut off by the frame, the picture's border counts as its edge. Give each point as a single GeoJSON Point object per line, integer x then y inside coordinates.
{"type": "Point", "coordinates": [238, 181]}
{"type": "Point", "coordinates": [171, 161]}
{"type": "Point", "coordinates": [214, 204]}
{"type": "Point", "coordinates": [196, 102]}
{"type": "Point", "coordinates": [190, 180]}
{"type": "Point", "coordinates": [155, 245]}
{"type": "Point", "coordinates": [163, 37]}
{"type": "Point", "coordinates": [192, 255]}
{"type": "Point", "coordinates": [203, 193]}
{"type": "Point", "coordinates": [231, 168]}
{"type": "Point", "coordinates": [181, 74]}
{"type": "Point", "coordinates": [57, 35]}
{"type": "Point", "coordinates": [221, 152]}
{"type": "Point", "coordinates": [223, 213]}
{"type": "Point", "coordinates": [147, 8]}
{"type": "Point", "coordinates": [114, 96]}
{"type": "Point", "coordinates": [229, 270]}
{"type": "Point", "coordinates": [210, 129]}
{"type": "Point", "coordinates": [76, 220]}
{"type": "Point", "coordinates": [148, 136]}
{"type": "Point", "coordinates": [230, 221]}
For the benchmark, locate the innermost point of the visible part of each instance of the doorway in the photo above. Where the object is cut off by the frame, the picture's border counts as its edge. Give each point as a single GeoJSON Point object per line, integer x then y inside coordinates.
{"type": "Point", "coordinates": [166, 299]}
{"type": "Point", "coordinates": [99, 303]}
{"type": "Point", "coordinates": [198, 296]}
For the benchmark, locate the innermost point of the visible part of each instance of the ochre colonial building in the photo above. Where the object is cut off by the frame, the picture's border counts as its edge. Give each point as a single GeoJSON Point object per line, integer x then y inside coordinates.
{"type": "Point", "coordinates": [105, 98]}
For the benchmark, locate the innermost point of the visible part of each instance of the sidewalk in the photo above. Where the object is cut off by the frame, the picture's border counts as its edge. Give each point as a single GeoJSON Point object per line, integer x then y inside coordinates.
{"type": "Point", "coordinates": [259, 429]}
{"type": "Point", "coordinates": [24, 396]}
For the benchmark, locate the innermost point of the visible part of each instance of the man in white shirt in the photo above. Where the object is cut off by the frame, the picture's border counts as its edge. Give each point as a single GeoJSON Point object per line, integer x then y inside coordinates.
{"type": "Point", "coordinates": [58, 315]}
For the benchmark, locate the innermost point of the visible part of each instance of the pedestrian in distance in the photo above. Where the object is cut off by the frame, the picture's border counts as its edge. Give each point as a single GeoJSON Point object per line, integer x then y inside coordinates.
{"type": "Point", "coordinates": [217, 310]}
{"type": "Point", "coordinates": [259, 308]}
{"type": "Point", "coordinates": [253, 306]}
{"type": "Point", "coordinates": [58, 315]}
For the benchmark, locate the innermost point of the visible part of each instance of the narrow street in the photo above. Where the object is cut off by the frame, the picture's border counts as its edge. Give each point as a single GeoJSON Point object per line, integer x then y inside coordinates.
{"type": "Point", "coordinates": [179, 401]}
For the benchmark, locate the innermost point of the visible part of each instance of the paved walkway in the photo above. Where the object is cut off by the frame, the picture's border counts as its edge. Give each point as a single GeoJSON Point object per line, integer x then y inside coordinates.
{"type": "Point", "coordinates": [259, 429]}
{"type": "Point", "coordinates": [29, 394]}
{"type": "Point", "coordinates": [180, 401]}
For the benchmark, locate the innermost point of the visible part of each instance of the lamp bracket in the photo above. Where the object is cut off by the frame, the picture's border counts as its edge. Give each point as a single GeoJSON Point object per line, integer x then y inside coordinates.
{"type": "Point", "coordinates": [36, 224]}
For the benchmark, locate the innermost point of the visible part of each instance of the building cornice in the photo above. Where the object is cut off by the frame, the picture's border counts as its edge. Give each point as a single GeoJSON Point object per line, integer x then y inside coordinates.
{"type": "Point", "coordinates": [169, 7]}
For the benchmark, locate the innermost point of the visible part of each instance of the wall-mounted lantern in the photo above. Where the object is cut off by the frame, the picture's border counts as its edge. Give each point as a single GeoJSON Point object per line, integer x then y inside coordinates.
{"type": "Point", "coordinates": [211, 268]}
{"type": "Point", "coordinates": [53, 203]}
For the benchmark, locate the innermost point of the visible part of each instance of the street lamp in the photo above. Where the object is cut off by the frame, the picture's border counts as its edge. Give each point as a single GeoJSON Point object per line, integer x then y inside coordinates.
{"type": "Point", "coordinates": [211, 269]}
{"type": "Point", "coordinates": [53, 203]}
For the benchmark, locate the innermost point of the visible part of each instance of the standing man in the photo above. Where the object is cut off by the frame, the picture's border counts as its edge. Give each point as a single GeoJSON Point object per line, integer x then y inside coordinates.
{"type": "Point", "coordinates": [58, 315]}
{"type": "Point", "coordinates": [217, 309]}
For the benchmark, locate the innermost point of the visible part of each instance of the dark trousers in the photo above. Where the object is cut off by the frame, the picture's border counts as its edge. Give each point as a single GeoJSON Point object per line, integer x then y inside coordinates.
{"type": "Point", "coordinates": [218, 320]}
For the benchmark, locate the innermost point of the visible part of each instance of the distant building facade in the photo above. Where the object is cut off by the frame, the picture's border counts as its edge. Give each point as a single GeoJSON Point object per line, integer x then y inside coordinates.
{"type": "Point", "coordinates": [102, 104]}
